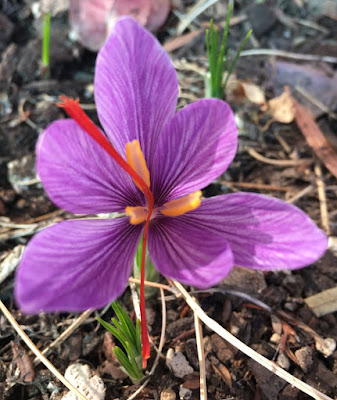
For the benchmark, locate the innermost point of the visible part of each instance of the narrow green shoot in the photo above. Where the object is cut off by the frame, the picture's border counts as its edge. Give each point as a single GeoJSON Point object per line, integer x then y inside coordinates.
{"type": "Point", "coordinates": [219, 69]}
{"type": "Point", "coordinates": [129, 337]}
{"type": "Point", "coordinates": [45, 64]}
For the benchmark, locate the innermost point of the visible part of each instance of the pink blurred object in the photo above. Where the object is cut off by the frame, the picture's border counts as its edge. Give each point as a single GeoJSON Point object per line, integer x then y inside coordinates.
{"type": "Point", "coordinates": [91, 20]}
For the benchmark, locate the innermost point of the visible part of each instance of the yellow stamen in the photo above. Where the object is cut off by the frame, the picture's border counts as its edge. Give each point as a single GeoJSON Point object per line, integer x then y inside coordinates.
{"type": "Point", "coordinates": [181, 206]}
{"type": "Point", "coordinates": [137, 214]}
{"type": "Point", "coordinates": [136, 160]}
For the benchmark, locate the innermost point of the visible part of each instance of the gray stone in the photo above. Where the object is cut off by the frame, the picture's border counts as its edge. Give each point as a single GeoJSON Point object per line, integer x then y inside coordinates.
{"type": "Point", "coordinates": [178, 364]}
{"type": "Point", "coordinates": [304, 356]}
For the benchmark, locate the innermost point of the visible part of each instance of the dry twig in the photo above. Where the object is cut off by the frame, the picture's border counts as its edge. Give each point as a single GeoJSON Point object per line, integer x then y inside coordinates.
{"type": "Point", "coordinates": [322, 199]}
{"type": "Point", "coordinates": [254, 185]}
{"type": "Point", "coordinates": [280, 163]}
{"type": "Point", "coordinates": [153, 284]}
{"type": "Point", "coordinates": [300, 194]}
{"type": "Point", "coordinates": [288, 54]}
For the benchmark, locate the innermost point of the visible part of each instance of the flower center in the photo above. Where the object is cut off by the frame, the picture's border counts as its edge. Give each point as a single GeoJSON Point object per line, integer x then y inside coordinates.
{"type": "Point", "coordinates": [174, 208]}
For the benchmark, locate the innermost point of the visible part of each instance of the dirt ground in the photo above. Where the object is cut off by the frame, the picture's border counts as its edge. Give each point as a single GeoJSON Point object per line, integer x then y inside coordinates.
{"type": "Point", "coordinates": [285, 152]}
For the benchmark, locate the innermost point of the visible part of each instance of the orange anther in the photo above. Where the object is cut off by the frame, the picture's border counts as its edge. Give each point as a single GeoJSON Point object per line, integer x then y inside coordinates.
{"type": "Point", "coordinates": [181, 206]}
{"type": "Point", "coordinates": [136, 160]}
{"type": "Point", "coordinates": [137, 214]}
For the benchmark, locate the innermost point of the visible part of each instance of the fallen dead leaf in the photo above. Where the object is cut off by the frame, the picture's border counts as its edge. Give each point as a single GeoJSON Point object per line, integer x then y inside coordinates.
{"type": "Point", "coordinates": [192, 381]}
{"type": "Point", "coordinates": [238, 91]}
{"type": "Point", "coordinates": [281, 108]}
{"type": "Point", "coordinates": [315, 137]}
{"type": "Point", "coordinates": [254, 93]}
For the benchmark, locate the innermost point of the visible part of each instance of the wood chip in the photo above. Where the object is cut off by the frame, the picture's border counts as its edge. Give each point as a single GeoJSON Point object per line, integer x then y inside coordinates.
{"type": "Point", "coordinates": [224, 374]}
{"type": "Point", "coordinates": [23, 362]}
{"type": "Point", "coordinates": [323, 303]}
{"type": "Point", "coordinates": [315, 138]}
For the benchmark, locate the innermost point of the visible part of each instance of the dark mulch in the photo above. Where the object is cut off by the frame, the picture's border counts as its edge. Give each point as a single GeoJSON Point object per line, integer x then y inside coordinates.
{"type": "Point", "coordinates": [27, 106]}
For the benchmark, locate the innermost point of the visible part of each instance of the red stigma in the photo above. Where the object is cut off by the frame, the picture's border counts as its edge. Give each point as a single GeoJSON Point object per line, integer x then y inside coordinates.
{"type": "Point", "coordinates": [73, 109]}
{"type": "Point", "coordinates": [145, 337]}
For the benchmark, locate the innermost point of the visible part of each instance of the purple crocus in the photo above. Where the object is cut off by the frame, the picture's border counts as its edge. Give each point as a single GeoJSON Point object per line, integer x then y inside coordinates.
{"type": "Point", "coordinates": [80, 264]}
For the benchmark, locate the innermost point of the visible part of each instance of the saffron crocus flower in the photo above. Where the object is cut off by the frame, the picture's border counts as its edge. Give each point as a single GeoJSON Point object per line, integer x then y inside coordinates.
{"type": "Point", "coordinates": [80, 264]}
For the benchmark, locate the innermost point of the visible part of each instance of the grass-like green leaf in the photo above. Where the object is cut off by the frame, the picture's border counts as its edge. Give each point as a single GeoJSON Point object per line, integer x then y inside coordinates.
{"type": "Point", "coordinates": [219, 72]}
{"type": "Point", "coordinates": [45, 44]}
{"type": "Point", "coordinates": [129, 337]}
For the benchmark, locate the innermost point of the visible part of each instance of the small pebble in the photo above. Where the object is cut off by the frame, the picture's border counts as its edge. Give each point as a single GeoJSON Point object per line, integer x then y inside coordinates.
{"type": "Point", "coordinates": [326, 346]}
{"type": "Point", "coordinates": [184, 393]}
{"type": "Point", "coordinates": [168, 394]}
{"type": "Point", "coordinates": [178, 364]}
{"type": "Point", "coordinates": [88, 383]}
{"type": "Point", "coordinates": [291, 306]}
{"type": "Point", "coordinates": [304, 356]}
{"type": "Point", "coordinates": [276, 324]}
{"type": "Point", "coordinates": [283, 361]}
{"type": "Point", "coordinates": [275, 338]}
{"type": "Point", "coordinates": [150, 317]}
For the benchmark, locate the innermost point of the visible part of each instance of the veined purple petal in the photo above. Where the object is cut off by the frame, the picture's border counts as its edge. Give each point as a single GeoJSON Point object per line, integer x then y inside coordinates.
{"type": "Point", "coordinates": [76, 265]}
{"type": "Point", "coordinates": [196, 146]}
{"type": "Point", "coordinates": [263, 232]}
{"type": "Point", "coordinates": [79, 175]}
{"type": "Point", "coordinates": [188, 253]}
{"type": "Point", "coordinates": [136, 87]}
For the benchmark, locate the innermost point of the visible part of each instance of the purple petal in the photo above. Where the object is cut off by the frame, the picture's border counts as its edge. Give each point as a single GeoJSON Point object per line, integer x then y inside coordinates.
{"type": "Point", "coordinates": [76, 265]}
{"type": "Point", "coordinates": [79, 175]}
{"type": "Point", "coordinates": [136, 87]}
{"type": "Point", "coordinates": [263, 232]}
{"type": "Point", "coordinates": [183, 251]}
{"type": "Point", "coordinates": [196, 146]}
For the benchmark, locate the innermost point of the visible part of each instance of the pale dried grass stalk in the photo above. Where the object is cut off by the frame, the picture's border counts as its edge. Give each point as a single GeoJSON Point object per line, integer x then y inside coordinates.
{"type": "Point", "coordinates": [201, 357]}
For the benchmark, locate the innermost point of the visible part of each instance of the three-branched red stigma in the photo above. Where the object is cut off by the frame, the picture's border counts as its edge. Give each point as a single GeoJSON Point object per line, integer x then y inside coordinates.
{"type": "Point", "coordinates": [74, 110]}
